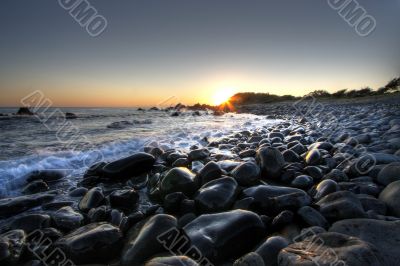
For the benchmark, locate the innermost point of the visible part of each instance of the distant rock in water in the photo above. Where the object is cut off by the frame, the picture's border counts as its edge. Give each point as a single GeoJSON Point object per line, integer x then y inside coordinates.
{"type": "Point", "coordinates": [24, 111]}
{"type": "Point", "coordinates": [120, 125]}
{"type": "Point", "coordinates": [141, 109]}
{"type": "Point", "coordinates": [154, 109]}
{"type": "Point", "coordinates": [142, 122]}
{"type": "Point", "coordinates": [70, 116]}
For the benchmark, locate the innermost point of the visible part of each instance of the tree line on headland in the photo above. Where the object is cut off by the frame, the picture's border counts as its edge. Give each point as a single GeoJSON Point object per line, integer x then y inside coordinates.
{"type": "Point", "coordinates": [393, 86]}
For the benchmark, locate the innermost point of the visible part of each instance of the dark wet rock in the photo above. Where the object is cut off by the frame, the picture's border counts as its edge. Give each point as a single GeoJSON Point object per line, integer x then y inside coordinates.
{"type": "Point", "coordinates": [312, 217]}
{"type": "Point", "coordinates": [298, 148]}
{"type": "Point", "coordinates": [291, 157]}
{"type": "Point", "coordinates": [225, 235]}
{"type": "Point", "coordinates": [314, 171]}
{"type": "Point", "coordinates": [124, 199]}
{"type": "Point", "coordinates": [24, 111]}
{"type": "Point", "coordinates": [185, 219]}
{"type": "Point", "coordinates": [384, 235]}
{"type": "Point", "coordinates": [250, 259]}
{"type": "Point", "coordinates": [188, 206]}
{"type": "Point", "coordinates": [172, 202]}
{"type": "Point", "coordinates": [274, 199]}
{"type": "Point", "coordinates": [67, 219]}
{"type": "Point", "coordinates": [269, 250]}
{"type": "Point", "coordinates": [143, 242]}
{"type": "Point", "coordinates": [369, 188]}
{"type": "Point", "coordinates": [198, 154]}
{"type": "Point", "coordinates": [181, 162]}
{"type": "Point", "coordinates": [45, 175]}
{"type": "Point", "coordinates": [247, 173]}
{"type": "Point", "coordinates": [179, 179]}
{"type": "Point", "coordinates": [209, 172]}
{"type": "Point", "coordinates": [276, 135]}
{"type": "Point", "coordinates": [99, 214]}
{"type": "Point", "coordinates": [78, 192]}
{"type": "Point", "coordinates": [389, 174]}
{"type": "Point", "coordinates": [30, 222]}
{"type": "Point", "coordinates": [55, 205]}
{"type": "Point", "coordinates": [282, 219]}
{"type": "Point", "coordinates": [371, 203]}
{"type": "Point", "coordinates": [92, 199]}
{"type": "Point", "coordinates": [11, 206]}
{"type": "Point", "coordinates": [35, 187]}
{"type": "Point", "coordinates": [70, 116]}
{"type": "Point", "coordinates": [341, 205]}
{"type": "Point", "coordinates": [217, 195]}
{"type": "Point", "coordinates": [302, 181]}
{"type": "Point", "coordinates": [171, 261]}
{"type": "Point", "coordinates": [391, 197]}
{"type": "Point", "coordinates": [313, 157]}
{"type": "Point", "coordinates": [228, 165]}
{"type": "Point", "coordinates": [247, 153]}
{"type": "Point", "coordinates": [321, 145]}
{"type": "Point", "coordinates": [271, 162]}
{"type": "Point", "coordinates": [337, 175]}
{"type": "Point", "coordinates": [12, 246]}
{"type": "Point", "coordinates": [330, 249]}
{"type": "Point", "coordinates": [92, 243]}
{"type": "Point", "coordinates": [130, 166]}
{"type": "Point", "coordinates": [324, 188]}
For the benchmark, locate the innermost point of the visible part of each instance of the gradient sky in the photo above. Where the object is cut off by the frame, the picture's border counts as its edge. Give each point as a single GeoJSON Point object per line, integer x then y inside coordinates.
{"type": "Point", "coordinates": [152, 50]}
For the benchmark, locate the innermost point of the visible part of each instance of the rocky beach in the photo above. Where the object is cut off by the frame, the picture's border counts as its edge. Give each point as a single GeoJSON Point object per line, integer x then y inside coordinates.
{"type": "Point", "coordinates": [321, 186]}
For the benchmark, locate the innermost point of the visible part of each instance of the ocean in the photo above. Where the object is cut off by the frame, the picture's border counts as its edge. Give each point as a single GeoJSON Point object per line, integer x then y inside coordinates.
{"type": "Point", "coordinates": [49, 141]}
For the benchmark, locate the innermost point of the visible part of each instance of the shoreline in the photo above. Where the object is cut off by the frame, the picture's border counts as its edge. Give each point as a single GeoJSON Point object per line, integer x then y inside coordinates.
{"type": "Point", "coordinates": [308, 178]}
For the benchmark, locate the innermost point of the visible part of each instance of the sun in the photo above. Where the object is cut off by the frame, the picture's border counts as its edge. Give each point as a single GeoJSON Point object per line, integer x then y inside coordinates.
{"type": "Point", "coordinates": [221, 96]}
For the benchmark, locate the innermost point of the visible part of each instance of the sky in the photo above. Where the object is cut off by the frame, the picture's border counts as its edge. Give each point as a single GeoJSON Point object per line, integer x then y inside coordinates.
{"type": "Point", "coordinates": [152, 50]}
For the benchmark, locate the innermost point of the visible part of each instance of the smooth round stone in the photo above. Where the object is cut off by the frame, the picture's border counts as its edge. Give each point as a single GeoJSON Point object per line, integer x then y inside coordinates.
{"type": "Point", "coordinates": [255, 139]}
{"type": "Point", "coordinates": [78, 192]}
{"type": "Point", "coordinates": [15, 205]}
{"type": "Point", "coordinates": [179, 179]}
{"type": "Point", "coordinates": [198, 154]}
{"type": "Point", "coordinates": [313, 157]}
{"type": "Point", "coordinates": [209, 172]}
{"type": "Point", "coordinates": [246, 174]}
{"type": "Point", "coordinates": [384, 235]}
{"type": "Point", "coordinates": [276, 135]}
{"type": "Point", "coordinates": [217, 195]}
{"type": "Point", "coordinates": [45, 175]}
{"type": "Point", "coordinates": [271, 162]}
{"type": "Point", "coordinates": [298, 148]}
{"type": "Point", "coordinates": [391, 197]}
{"type": "Point", "coordinates": [247, 153]}
{"type": "Point", "coordinates": [131, 166]}
{"type": "Point", "coordinates": [197, 166]}
{"type": "Point", "coordinates": [30, 222]}
{"type": "Point", "coordinates": [369, 188]}
{"type": "Point", "coordinates": [250, 259]}
{"type": "Point", "coordinates": [173, 201]}
{"type": "Point", "coordinates": [324, 188]}
{"type": "Point", "coordinates": [67, 219]}
{"type": "Point", "coordinates": [92, 199]}
{"type": "Point", "coordinates": [269, 250]}
{"type": "Point", "coordinates": [302, 181]}
{"type": "Point", "coordinates": [371, 203]}
{"type": "Point", "coordinates": [336, 175]}
{"type": "Point", "coordinates": [172, 157]}
{"type": "Point", "coordinates": [312, 217]}
{"type": "Point", "coordinates": [291, 157]}
{"type": "Point", "coordinates": [330, 249]}
{"type": "Point", "coordinates": [282, 219]}
{"type": "Point", "coordinates": [99, 214]}
{"type": "Point", "coordinates": [225, 235]}
{"type": "Point", "coordinates": [228, 165]}
{"type": "Point", "coordinates": [321, 145]}
{"type": "Point", "coordinates": [341, 205]}
{"type": "Point", "coordinates": [92, 243]}
{"type": "Point", "coordinates": [314, 171]}
{"type": "Point", "coordinates": [35, 187]}
{"type": "Point", "coordinates": [12, 246]}
{"type": "Point", "coordinates": [126, 199]}
{"type": "Point", "coordinates": [389, 174]}
{"type": "Point", "coordinates": [274, 199]}
{"type": "Point", "coordinates": [181, 162]}
{"type": "Point", "coordinates": [146, 239]}
{"type": "Point", "coordinates": [175, 260]}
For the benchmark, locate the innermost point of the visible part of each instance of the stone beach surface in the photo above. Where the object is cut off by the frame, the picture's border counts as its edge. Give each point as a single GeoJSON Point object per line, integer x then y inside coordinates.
{"type": "Point", "coordinates": [322, 187]}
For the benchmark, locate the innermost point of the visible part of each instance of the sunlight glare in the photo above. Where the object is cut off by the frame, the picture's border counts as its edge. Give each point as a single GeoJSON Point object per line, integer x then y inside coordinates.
{"type": "Point", "coordinates": [221, 96]}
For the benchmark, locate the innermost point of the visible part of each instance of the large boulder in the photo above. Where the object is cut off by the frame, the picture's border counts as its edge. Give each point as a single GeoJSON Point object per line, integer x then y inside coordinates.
{"type": "Point", "coordinates": [225, 235]}
{"type": "Point", "coordinates": [327, 249]}
{"type": "Point", "coordinates": [143, 241]}
{"type": "Point", "coordinates": [217, 195]}
{"type": "Point", "coordinates": [247, 173]}
{"type": "Point", "coordinates": [269, 250]}
{"type": "Point", "coordinates": [131, 166]}
{"type": "Point", "coordinates": [92, 199]}
{"type": "Point", "coordinates": [67, 219]}
{"type": "Point", "coordinates": [391, 197]}
{"type": "Point", "coordinates": [12, 206]}
{"type": "Point", "coordinates": [384, 235]}
{"type": "Point", "coordinates": [271, 162]}
{"type": "Point", "coordinates": [389, 174]}
{"type": "Point", "coordinates": [209, 172]}
{"type": "Point", "coordinates": [92, 243]}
